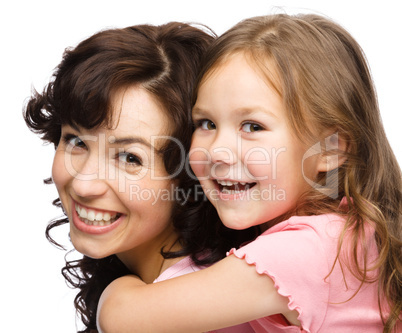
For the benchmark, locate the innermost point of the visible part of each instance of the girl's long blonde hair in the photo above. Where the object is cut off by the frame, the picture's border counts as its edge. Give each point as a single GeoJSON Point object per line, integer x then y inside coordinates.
{"type": "Point", "coordinates": [325, 83]}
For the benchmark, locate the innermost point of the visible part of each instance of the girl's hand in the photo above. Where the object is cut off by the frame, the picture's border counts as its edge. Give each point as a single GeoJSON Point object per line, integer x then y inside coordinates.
{"type": "Point", "coordinates": [226, 294]}
{"type": "Point", "coordinates": [113, 297]}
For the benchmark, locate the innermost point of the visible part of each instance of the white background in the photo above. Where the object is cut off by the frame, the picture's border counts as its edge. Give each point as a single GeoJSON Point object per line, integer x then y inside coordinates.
{"type": "Point", "coordinates": [33, 296]}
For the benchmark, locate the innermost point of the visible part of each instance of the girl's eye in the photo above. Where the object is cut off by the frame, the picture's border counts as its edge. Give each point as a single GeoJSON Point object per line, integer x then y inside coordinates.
{"type": "Point", "coordinates": [251, 127]}
{"type": "Point", "coordinates": [128, 158]}
{"type": "Point", "coordinates": [207, 125]}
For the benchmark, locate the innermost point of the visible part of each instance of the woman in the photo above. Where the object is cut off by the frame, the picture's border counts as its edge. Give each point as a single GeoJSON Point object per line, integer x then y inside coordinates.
{"type": "Point", "coordinates": [118, 112]}
{"type": "Point", "coordinates": [329, 259]}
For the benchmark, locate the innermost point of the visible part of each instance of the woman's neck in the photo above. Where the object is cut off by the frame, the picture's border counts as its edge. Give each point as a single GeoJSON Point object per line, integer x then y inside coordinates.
{"type": "Point", "coordinates": [146, 260]}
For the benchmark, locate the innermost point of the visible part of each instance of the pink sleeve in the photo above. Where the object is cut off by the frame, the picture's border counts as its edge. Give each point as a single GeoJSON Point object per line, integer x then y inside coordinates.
{"type": "Point", "coordinates": [295, 260]}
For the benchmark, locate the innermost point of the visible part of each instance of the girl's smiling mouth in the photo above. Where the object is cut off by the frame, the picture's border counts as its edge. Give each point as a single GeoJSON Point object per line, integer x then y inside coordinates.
{"type": "Point", "coordinates": [233, 187]}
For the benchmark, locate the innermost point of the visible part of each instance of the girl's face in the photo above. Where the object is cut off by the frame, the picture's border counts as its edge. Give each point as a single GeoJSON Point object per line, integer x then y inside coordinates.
{"type": "Point", "coordinates": [113, 184]}
{"type": "Point", "coordinates": [248, 161]}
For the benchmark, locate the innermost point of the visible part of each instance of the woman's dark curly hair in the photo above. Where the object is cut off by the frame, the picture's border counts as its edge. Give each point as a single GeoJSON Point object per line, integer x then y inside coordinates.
{"type": "Point", "coordinates": [164, 60]}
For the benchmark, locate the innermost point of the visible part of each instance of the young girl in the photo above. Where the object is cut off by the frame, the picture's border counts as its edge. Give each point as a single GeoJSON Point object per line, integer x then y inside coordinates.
{"type": "Point", "coordinates": [288, 137]}
{"type": "Point", "coordinates": [118, 110]}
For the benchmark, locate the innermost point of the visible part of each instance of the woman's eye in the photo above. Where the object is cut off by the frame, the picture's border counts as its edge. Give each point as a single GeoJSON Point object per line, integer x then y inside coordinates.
{"type": "Point", "coordinates": [251, 127]}
{"type": "Point", "coordinates": [74, 142]}
{"type": "Point", "coordinates": [77, 142]}
{"type": "Point", "coordinates": [128, 158]}
{"type": "Point", "coordinates": [207, 125]}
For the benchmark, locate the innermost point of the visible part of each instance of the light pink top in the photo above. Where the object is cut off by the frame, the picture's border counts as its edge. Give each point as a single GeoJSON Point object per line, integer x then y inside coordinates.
{"type": "Point", "coordinates": [298, 254]}
{"type": "Point", "coordinates": [185, 266]}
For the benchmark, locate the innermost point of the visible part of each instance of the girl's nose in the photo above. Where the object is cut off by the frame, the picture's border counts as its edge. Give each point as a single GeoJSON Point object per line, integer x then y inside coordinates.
{"type": "Point", "coordinates": [224, 150]}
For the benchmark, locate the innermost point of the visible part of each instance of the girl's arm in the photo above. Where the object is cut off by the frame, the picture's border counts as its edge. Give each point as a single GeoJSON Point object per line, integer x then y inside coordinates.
{"type": "Point", "coordinates": [228, 293]}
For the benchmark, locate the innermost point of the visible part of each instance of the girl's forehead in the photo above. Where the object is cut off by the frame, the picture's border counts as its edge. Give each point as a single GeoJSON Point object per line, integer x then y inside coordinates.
{"type": "Point", "coordinates": [263, 66]}
{"type": "Point", "coordinates": [238, 73]}
{"type": "Point", "coordinates": [238, 88]}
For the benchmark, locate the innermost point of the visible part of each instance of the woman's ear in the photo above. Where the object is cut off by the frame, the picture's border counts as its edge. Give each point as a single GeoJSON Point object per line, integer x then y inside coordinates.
{"type": "Point", "coordinates": [333, 152]}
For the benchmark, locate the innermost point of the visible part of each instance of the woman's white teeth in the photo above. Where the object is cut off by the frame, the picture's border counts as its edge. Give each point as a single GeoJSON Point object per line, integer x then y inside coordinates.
{"type": "Point", "coordinates": [91, 217]}
{"type": "Point", "coordinates": [81, 212]}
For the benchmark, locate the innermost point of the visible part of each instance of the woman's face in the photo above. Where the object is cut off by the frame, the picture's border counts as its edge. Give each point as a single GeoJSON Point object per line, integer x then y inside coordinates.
{"type": "Point", "coordinates": [112, 182]}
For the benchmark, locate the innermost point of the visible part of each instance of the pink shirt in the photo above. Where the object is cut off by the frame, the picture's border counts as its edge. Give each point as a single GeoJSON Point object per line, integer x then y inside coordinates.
{"type": "Point", "coordinates": [297, 255]}
{"type": "Point", "coordinates": [185, 266]}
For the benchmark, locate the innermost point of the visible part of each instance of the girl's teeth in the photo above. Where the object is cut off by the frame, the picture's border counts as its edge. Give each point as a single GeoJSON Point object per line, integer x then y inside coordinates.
{"type": "Point", "coordinates": [227, 191]}
{"type": "Point", "coordinates": [227, 183]}
{"type": "Point", "coordinates": [232, 187]}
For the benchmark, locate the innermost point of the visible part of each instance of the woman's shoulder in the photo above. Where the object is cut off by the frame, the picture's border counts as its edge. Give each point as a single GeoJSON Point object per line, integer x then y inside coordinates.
{"type": "Point", "coordinates": [183, 266]}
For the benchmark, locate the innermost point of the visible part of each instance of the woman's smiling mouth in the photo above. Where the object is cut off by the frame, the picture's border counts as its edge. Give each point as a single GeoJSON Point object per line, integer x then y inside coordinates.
{"type": "Point", "coordinates": [96, 217]}
{"type": "Point", "coordinates": [94, 221]}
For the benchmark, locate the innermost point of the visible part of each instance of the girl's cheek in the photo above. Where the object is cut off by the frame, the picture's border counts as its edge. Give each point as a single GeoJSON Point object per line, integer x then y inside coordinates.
{"type": "Point", "coordinates": [199, 159]}
{"type": "Point", "coordinates": [258, 163]}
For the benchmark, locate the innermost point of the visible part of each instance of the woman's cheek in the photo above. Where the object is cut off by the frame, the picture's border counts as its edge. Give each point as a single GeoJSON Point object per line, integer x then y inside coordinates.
{"type": "Point", "coordinates": [59, 175]}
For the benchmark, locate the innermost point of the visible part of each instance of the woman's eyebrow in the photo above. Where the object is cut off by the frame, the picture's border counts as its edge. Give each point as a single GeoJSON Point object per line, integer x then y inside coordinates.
{"type": "Point", "coordinates": [128, 140]}
{"type": "Point", "coordinates": [131, 140]}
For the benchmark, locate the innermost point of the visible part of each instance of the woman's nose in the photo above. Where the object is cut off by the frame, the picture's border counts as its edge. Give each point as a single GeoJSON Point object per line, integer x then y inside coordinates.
{"type": "Point", "coordinates": [90, 178]}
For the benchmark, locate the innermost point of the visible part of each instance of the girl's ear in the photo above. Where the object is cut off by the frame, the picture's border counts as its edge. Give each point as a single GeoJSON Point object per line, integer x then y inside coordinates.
{"type": "Point", "coordinates": [333, 153]}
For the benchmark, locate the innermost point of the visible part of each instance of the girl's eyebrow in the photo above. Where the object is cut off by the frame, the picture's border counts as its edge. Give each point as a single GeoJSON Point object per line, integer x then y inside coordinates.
{"type": "Point", "coordinates": [243, 111]}
{"type": "Point", "coordinates": [197, 111]}
{"type": "Point", "coordinates": [249, 111]}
